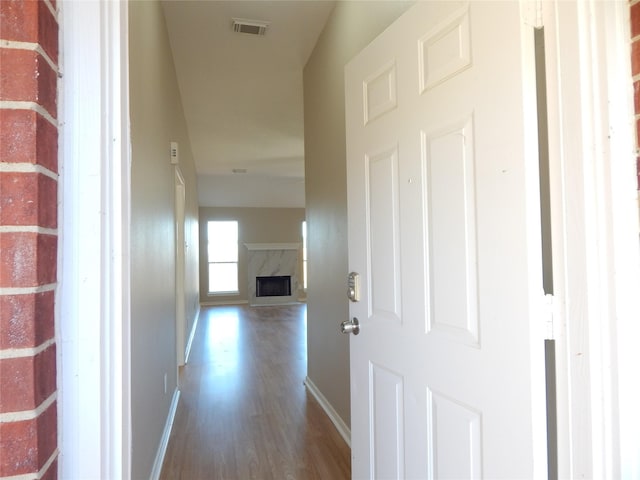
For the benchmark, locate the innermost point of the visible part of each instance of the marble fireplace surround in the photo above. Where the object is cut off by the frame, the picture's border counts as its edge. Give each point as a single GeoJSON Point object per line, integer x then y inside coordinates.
{"type": "Point", "coordinates": [269, 260]}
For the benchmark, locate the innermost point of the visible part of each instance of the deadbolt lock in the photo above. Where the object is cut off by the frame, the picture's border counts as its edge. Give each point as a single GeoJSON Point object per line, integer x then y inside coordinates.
{"type": "Point", "coordinates": [353, 287]}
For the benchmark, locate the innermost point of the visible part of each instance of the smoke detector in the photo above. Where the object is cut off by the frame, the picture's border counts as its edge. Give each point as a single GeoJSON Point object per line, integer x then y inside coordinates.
{"type": "Point", "coordinates": [252, 27]}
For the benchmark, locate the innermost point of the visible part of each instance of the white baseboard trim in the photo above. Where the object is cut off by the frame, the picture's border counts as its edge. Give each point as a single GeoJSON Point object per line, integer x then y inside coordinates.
{"type": "Point", "coordinates": [191, 335]}
{"type": "Point", "coordinates": [224, 302]}
{"type": "Point", "coordinates": [164, 441]}
{"type": "Point", "coordinates": [343, 429]}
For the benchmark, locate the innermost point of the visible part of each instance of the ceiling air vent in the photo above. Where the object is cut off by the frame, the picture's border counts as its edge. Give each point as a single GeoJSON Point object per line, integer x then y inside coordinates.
{"type": "Point", "coordinates": [252, 27]}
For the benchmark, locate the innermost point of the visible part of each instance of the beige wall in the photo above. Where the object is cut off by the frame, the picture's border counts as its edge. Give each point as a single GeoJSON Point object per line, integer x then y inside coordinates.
{"type": "Point", "coordinates": [352, 25]}
{"type": "Point", "coordinates": [156, 120]}
{"type": "Point", "coordinates": [255, 225]}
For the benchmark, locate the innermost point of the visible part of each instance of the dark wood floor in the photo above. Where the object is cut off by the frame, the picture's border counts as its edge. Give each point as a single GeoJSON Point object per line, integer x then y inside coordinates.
{"type": "Point", "coordinates": [244, 412]}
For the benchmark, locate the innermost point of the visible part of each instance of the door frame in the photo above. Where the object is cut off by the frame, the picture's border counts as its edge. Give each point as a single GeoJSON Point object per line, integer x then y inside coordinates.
{"type": "Point", "coordinates": [594, 216]}
{"type": "Point", "coordinates": [181, 314]}
{"type": "Point", "coordinates": [93, 317]}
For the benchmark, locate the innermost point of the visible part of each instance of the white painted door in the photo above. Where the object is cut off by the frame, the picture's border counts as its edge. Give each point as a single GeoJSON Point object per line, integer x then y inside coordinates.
{"type": "Point", "coordinates": [447, 373]}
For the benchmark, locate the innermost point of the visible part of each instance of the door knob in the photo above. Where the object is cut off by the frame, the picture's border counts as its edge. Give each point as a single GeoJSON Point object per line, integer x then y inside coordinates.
{"type": "Point", "coordinates": [350, 326]}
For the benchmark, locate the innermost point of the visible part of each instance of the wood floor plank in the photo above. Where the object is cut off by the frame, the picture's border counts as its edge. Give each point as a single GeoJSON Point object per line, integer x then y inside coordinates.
{"type": "Point", "coordinates": [244, 412]}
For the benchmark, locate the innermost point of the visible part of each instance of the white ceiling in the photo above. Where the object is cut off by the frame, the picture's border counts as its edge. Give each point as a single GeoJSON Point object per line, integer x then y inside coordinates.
{"type": "Point", "coordinates": [242, 96]}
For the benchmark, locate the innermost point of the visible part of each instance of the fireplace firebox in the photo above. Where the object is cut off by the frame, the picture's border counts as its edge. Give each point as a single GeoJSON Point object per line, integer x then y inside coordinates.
{"type": "Point", "coordinates": [273, 286]}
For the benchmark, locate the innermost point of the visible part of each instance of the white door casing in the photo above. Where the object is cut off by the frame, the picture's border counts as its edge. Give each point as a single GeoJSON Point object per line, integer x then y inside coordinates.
{"type": "Point", "coordinates": [595, 245]}
{"type": "Point", "coordinates": [447, 373]}
{"type": "Point", "coordinates": [181, 313]}
{"type": "Point", "coordinates": [93, 313]}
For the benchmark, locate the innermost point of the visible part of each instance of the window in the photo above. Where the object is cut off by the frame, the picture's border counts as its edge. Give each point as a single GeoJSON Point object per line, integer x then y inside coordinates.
{"type": "Point", "coordinates": [222, 252]}
{"type": "Point", "coordinates": [304, 254]}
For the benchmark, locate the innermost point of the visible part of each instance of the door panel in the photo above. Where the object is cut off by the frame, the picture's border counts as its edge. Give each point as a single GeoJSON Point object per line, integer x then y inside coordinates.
{"type": "Point", "coordinates": [380, 93]}
{"type": "Point", "coordinates": [387, 435]}
{"type": "Point", "coordinates": [451, 227]}
{"type": "Point", "coordinates": [447, 373]}
{"type": "Point", "coordinates": [445, 50]}
{"type": "Point", "coordinates": [456, 430]}
{"type": "Point", "coordinates": [384, 257]}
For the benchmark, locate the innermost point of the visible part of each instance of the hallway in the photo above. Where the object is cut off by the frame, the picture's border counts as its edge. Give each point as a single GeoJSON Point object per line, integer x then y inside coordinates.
{"type": "Point", "coordinates": [244, 411]}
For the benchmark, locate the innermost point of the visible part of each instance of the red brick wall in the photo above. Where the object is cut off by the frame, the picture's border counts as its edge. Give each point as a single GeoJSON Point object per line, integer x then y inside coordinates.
{"type": "Point", "coordinates": [635, 71]}
{"type": "Point", "coordinates": [28, 237]}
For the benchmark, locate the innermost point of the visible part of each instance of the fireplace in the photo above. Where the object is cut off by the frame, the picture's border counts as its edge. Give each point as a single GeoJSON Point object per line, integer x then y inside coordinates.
{"type": "Point", "coordinates": [273, 286]}
{"type": "Point", "coordinates": [272, 273]}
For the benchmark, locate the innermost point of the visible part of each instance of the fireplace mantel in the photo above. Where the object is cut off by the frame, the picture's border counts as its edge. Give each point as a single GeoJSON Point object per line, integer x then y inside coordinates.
{"type": "Point", "coordinates": [272, 246]}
